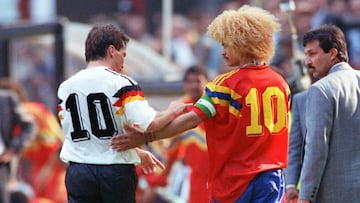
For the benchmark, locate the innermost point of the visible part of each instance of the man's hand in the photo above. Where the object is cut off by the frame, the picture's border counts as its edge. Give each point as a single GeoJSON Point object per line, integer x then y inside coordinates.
{"type": "Point", "coordinates": [178, 107]}
{"type": "Point", "coordinates": [149, 162]}
{"type": "Point", "coordinates": [292, 195]}
{"type": "Point", "coordinates": [305, 201]}
{"type": "Point", "coordinates": [7, 156]}
{"type": "Point", "coordinates": [133, 137]}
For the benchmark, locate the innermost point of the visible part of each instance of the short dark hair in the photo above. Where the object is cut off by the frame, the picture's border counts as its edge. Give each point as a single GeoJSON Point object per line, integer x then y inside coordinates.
{"type": "Point", "coordinates": [198, 70]}
{"type": "Point", "coordinates": [100, 38]}
{"type": "Point", "coordinates": [329, 36]}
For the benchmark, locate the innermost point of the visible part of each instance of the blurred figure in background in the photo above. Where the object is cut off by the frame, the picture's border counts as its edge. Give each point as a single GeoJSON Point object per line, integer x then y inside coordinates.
{"type": "Point", "coordinates": [135, 27]}
{"type": "Point", "coordinates": [182, 41]}
{"type": "Point", "coordinates": [16, 128]}
{"type": "Point", "coordinates": [180, 153]}
{"type": "Point", "coordinates": [207, 50]}
{"type": "Point", "coordinates": [288, 59]}
{"type": "Point", "coordinates": [39, 163]}
{"type": "Point", "coordinates": [190, 147]}
{"type": "Point", "coordinates": [321, 13]}
{"type": "Point", "coordinates": [352, 23]}
{"type": "Point", "coordinates": [147, 190]}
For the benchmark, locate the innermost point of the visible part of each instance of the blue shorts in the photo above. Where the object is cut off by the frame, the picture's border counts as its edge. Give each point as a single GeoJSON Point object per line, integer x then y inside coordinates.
{"type": "Point", "coordinates": [266, 187]}
{"type": "Point", "coordinates": [90, 183]}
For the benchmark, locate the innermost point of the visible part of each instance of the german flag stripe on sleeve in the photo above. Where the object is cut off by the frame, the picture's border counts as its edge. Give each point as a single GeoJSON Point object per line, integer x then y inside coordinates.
{"type": "Point", "coordinates": [128, 94]}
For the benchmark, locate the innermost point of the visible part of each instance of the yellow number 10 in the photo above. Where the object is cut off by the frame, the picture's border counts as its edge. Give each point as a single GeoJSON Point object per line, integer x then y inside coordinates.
{"type": "Point", "coordinates": [273, 107]}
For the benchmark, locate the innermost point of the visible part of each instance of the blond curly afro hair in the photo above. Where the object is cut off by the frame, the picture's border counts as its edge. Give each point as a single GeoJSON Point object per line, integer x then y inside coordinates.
{"type": "Point", "coordinates": [248, 30]}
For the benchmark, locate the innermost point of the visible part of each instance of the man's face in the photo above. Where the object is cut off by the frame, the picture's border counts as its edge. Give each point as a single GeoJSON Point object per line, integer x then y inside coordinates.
{"type": "Point", "coordinates": [194, 85]}
{"type": "Point", "coordinates": [119, 58]}
{"type": "Point", "coordinates": [317, 61]}
{"type": "Point", "coordinates": [230, 56]}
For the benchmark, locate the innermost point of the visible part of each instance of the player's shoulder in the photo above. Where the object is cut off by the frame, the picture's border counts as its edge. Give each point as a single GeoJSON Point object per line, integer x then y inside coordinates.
{"type": "Point", "coordinates": [98, 73]}
{"type": "Point", "coordinates": [120, 77]}
{"type": "Point", "coordinates": [73, 77]}
{"type": "Point", "coordinates": [300, 95]}
{"type": "Point", "coordinates": [224, 77]}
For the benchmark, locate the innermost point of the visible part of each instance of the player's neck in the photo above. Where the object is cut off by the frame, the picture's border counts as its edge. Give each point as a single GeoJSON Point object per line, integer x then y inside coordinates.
{"type": "Point", "coordinates": [97, 63]}
{"type": "Point", "coordinates": [253, 63]}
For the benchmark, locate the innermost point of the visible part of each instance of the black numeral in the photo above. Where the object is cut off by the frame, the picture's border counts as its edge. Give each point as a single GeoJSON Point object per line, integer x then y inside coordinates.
{"type": "Point", "coordinates": [100, 116]}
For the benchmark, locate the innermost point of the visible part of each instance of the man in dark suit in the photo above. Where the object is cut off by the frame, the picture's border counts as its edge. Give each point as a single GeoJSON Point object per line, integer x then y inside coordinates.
{"type": "Point", "coordinates": [296, 143]}
{"type": "Point", "coordinates": [15, 126]}
{"type": "Point", "coordinates": [330, 172]}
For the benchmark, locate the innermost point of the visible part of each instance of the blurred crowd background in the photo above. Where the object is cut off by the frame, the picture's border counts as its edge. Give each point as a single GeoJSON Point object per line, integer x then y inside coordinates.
{"type": "Point", "coordinates": [33, 62]}
{"type": "Point", "coordinates": [32, 58]}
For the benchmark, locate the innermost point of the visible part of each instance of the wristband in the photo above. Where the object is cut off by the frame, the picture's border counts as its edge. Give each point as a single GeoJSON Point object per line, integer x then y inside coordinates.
{"type": "Point", "coordinates": [149, 137]}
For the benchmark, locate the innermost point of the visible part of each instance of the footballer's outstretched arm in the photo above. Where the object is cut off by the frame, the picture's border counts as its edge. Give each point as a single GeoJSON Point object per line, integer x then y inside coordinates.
{"type": "Point", "coordinates": [164, 117]}
{"type": "Point", "coordinates": [135, 137]}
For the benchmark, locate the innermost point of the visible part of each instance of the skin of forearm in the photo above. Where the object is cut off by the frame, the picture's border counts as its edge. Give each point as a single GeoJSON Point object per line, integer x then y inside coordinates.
{"type": "Point", "coordinates": [180, 124]}
{"type": "Point", "coordinates": [136, 137]}
{"type": "Point", "coordinates": [161, 119]}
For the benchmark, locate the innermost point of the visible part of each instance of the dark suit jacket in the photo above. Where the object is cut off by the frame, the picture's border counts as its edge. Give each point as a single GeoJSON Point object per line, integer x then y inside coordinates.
{"type": "Point", "coordinates": [296, 139]}
{"type": "Point", "coordinates": [16, 125]}
{"type": "Point", "coordinates": [331, 167]}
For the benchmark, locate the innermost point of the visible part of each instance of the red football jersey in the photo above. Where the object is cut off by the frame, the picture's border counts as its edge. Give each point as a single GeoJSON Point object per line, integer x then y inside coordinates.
{"type": "Point", "coordinates": [246, 114]}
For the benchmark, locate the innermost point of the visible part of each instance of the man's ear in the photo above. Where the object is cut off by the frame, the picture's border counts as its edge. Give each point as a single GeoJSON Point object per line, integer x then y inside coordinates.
{"type": "Point", "coordinates": [111, 50]}
{"type": "Point", "coordinates": [333, 53]}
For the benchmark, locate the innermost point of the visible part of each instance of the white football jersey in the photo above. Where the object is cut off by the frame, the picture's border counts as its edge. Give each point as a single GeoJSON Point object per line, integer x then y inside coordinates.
{"type": "Point", "coordinates": [94, 104]}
